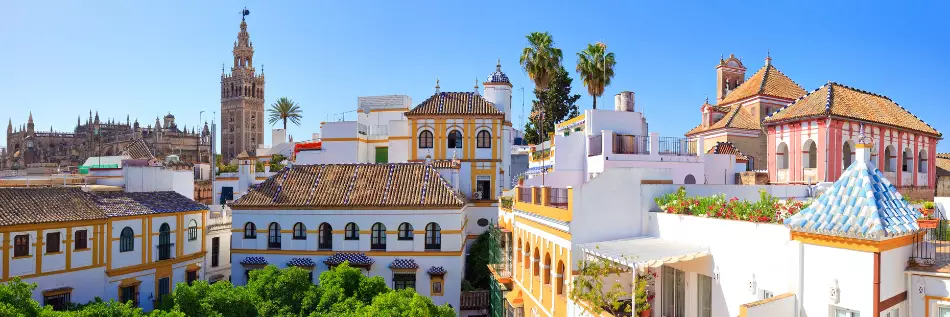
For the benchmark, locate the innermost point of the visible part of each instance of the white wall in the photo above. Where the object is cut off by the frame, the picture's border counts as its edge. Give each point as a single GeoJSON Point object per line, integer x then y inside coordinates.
{"type": "Point", "coordinates": [784, 307]}
{"type": "Point", "coordinates": [128, 258]}
{"type": "Point", "coordinates": [852, 269]}
{"type": "Point", "coordinates": [150, 179]}
{"type": "Point", "coordinates": [606, 207]}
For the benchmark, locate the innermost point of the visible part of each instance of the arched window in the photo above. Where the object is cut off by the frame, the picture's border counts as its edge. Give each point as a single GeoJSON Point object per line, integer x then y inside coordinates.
{"type": "Point", "coordinates": [810, 154]}
{"type": "Point", "coordinates": [300, 231]}
{"type": "Point", "coordinates": [922, 162]}
{"type": "Point", "coordinates": [192, 230]}
{"type": "Point", "coordinates": [126, 240]}
{"type": "Point", "coordinates": [326, 237]}
{"type": "Point", "coordinates": [847, 155]}
{"type": "Point", "coordinates": [536, 262]}
{"type": "Point", "coordinates": [781, 156]}
{"type": "Point", "coordinates": [164, 242]}
{"type": "Point", "coordinates": [455, 139]}
{"type": "Point", "coordinates": [483, 139]}
{"type": "Point", "coordinates": [433, 236]}
{"type": "Point", "coordinates": [890, 158]}
{"type": "Point", "coordinates": [547, 268]}
{"type": "Point", "coordinates": [250, 231]}
{"type": "Point", "coordinates": [405, 231]}
{"type": "Point", "coordinates": [273, 236]}
{"type": "Point", "coordinates": [377, 238]}
{"type": "Point", "coordinates": [352, 232]}
{"type": "Point", "coordinates": [527, 255]}
{"type": "Point", "coordinates": [559, 278]}
{"type": "Point", "coordinates": [690, 179]}
{"type": "Point", "coordinates": [908, 161]}
{"type": "Point", "coordinates": [425, 139]}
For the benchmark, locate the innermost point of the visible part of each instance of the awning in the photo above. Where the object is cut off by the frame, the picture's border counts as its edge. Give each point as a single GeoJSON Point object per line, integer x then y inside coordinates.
{"type": "Point", "coordinates": [644, 251]}
{"type": "Point", "coordinates": [515, 299]}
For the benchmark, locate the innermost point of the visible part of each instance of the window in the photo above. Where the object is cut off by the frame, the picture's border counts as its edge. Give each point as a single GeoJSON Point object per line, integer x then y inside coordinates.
{"type": "Point", "coordinates": [352, 232]}
{"type": "Point", "coordinates": [425, 139]}
{"type": "Point", "coordinates": [52, 242]}
{"type": "Point", "coordinates": [559, 278]}
{"type": "Point", "coordinates": [889, 159]}
{"type": "Point", "coordinates": [378, 237]}
{"type": "Point", "coordinates": [215, 251]}
{"type": "Point", "coordinates": [536, 262]}
{"type": "Point", "coordinates": [547, 269]}
{"type": "Point", "coordinates": [455, 139]}
{"type": "Point", "coordinates": [326, 237]}
{"type": "Point", "coordinates": [922, 162]}
{"type": "Point", "coordinates": [164, 287]}
{"type": "Point", "coordinates": [193, 230]}
{"type": "Point", "coordinates": [403, 280]}
{"type": "Point", "coordinates": [842, 312]}
{"type": "Point", "coordinates": [126, 240]}
{"type": "Point", "coordinates": [483, 188]}
{"type": "Point", "coordinates": [405, 231]}
{"type": "Point", "coordinates": [896, 312]}
{"type": "Point", "coordinates": [527, 257]}
{"type": "Point", "coordinates": [674, 292]}
{"type": "Point", "coordinates": [943, 311]}
{"type": "Point", "coordinates": [81, 240]}
{"type": "Point", "coordinates": [227, 193]}
{"type": "Point", "coordinates": [781, 156]}
{"type": "Point", "coordinates": [483, 139]}
{"type": "Point", "coordinates": [58, 301]}
{"type": "Point", "coordinates": [129, 293]}
{"type": "Point", "coordinates": [433, 236]}
{"type": "Point", "coordinates": [273, 236]}
{"type": "Point", "coordinates": [300, 231]}
{"type": "Point", "coordinates": [250, 231]}
{"type": "Point", "coordinates": [164, 242]}
{"type": "Point", "coordinates": [846, 155]}
{"type": "Point", "coordinates": [704, 295]}
{"type": "Point", "coordinates": [766, 294]}
{"type": "Point", "coordinates": [908, 161]}
{"type": "Point", "coordinates": [191, 276]}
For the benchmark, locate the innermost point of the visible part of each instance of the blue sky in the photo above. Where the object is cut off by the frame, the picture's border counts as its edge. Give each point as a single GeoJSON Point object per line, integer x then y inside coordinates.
{"type": "Point", "coordinates": [147, 58]}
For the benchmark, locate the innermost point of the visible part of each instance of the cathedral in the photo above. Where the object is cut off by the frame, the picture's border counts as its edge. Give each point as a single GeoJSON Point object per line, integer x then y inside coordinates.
{"type": "Point", "coordinates": [95, 137]}
{"type": "Point", "coordinates": [242, 101]}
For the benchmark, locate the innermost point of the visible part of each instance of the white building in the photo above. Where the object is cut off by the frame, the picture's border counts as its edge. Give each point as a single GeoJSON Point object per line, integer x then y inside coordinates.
{"type": "Point", "coordinates": [218, 244]}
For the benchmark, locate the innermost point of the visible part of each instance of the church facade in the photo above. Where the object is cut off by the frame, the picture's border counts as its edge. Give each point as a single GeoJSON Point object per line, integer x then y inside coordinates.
{"type": "Point", "coordinates": [242, 101]}
{"type": "Point", "coordinates": [26, 145]}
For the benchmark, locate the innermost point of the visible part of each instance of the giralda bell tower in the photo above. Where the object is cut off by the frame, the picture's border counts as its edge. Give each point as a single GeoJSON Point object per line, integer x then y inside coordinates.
{"type": "Point", "coordinates": [242, 100]}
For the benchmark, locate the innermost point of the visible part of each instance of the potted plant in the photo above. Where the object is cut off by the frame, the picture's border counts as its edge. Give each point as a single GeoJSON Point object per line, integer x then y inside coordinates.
{"type": "Point", "coordinates": [927, 222]}
{"type": "Point", "coordinates": [642, 299]}
{"type": "Point", "coordinates": [520, 180]}
{"type": "Point", "coordinates": [928, 208]}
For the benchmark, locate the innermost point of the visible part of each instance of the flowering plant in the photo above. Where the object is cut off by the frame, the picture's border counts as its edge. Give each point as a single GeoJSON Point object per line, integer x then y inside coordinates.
{"type": "Point", "coordinates": [768, 209]}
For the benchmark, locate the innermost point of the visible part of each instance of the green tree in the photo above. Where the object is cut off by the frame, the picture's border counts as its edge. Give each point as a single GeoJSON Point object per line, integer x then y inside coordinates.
{"type": "Point", "coordinates": [16, 299]}
{"type": "Point", "coordinates": [556, 102]}
{"type": "Point", "coordinates": [596, 67]}
{"type": "Point", "coordinates": [283, 110]}
{"type": "Point", "coordinates": [541, 60]}
{"type": "Point", "coordinates": [480, 255]}
{"type": "Point", "coordinates": [275, 162]}
{"type": "Point", "coordinates": [201, 299]}
{"type": "Point", "coordinates": [405, 303]}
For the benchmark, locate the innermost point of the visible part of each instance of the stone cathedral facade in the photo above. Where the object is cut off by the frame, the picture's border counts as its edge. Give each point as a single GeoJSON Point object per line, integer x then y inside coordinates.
{"type": "Point", "coordinates": [242, 101]}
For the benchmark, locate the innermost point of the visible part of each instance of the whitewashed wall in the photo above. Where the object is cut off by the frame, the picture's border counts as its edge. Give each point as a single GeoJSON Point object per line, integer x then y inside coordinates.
{"type": "Point", "coordinates": [853, 271]}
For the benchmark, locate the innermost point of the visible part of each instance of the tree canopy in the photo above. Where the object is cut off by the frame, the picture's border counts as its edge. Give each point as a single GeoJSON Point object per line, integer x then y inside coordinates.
{"type": "Point", "coordinates": [557, 102]}
{"type": "Point", "coordinates": [342, 291]}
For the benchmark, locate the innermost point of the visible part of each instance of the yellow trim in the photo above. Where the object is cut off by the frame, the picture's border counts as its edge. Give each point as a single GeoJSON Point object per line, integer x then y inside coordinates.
{"type": "Point", "coordinates": [432, 282]}
{"type": "Point", "coordinates": [129, 282]}
{"type": "Point", "coordinates": [69, 247]}
{"type": "Point", "coordinates": [368, 253]}
{"type": "Point", "coordinates": [544, 228]}
{"type": "Point", "coordinates": [153, 265]}
{"type": "Point", "coordinates": [413, 154]}
{"type": "Point", "coordinates": [570, 121]}
{"type": "Point", "coordinates": [54, 272]}
{"type": "Point", "coordinates": [547, 211]}
{"type": "Point", "coordinates": [22, 257]}
{"type": "Point", "coordinates": [928, 298]}
{"type": "Point", "coordinates": [53, 253]}
{"type": "Point", "coordinates": [855, 244]}
{"type": "Point", "coordinates": [391, 138]}
{"type": "Point", "coordinates": [61, 291]}
{"type": "Point", "coordinates": [338, 139]}
{"type": "Point", "coordinates": [192, 267]}
{"type": "Point", "coordinates": [39, 249]}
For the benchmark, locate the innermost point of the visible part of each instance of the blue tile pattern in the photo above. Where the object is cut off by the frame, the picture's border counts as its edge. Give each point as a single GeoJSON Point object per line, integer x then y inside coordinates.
{"type": "Point", "coordinates": [404, 264]}
{"type": "Point", "coordinates": [498, 77]}
{"type": "Point", "coordinates": [254, 260]}
{"type": "Point", "coordinates": [436, 270]}
{"type": "Point", "coordinates": [355, 259]}
{"type": "Point", "coordinates": [305, 262]}
{"type": "Point", "coordinates": [861, 204]}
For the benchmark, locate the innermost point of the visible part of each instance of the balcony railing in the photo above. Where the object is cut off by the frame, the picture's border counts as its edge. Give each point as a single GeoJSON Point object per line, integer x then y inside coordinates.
{"type": "Point", "coordinates": [537, 195]}
{"type": "Point", "coordinates": [595, 145]}
{"type": "Point", "coordinates": [165, 251]}
{"type": "Point", "coordinates": [525, 195]}
{"type": "Point", "coordinates": [677, 146]}
{"type": "Point", "coordinates": [934, 246]}
{"type": "Point", "coordinates": [557, 197]}
{"type": "Point", "coordinates": [631, 144]}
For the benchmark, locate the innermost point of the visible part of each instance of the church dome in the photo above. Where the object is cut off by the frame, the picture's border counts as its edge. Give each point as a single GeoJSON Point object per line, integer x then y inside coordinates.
{"type": "Point", "coordinates": [498, 76]}
{"type": "Point", "coordinates": [169, 116]}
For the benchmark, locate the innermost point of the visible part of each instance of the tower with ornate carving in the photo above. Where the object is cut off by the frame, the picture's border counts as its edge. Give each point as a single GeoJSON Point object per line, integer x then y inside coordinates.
{"type": "Point", "coordinates": [242, 100]}
{"type": "Point", "coordinates": [730, 73]}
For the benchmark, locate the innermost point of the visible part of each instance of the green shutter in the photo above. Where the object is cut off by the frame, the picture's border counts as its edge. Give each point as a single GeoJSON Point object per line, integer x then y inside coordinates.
{"type": "Point", "coordinates": [382, 155]}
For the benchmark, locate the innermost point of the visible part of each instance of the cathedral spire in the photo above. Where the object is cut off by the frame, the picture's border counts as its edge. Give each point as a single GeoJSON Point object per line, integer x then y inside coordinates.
{"type": "Point", "coordinates": [10, 125]}
{"type": "Point", "coordinates": [30, 120]}
{"type": "Point", "coordinates": [29, 123]}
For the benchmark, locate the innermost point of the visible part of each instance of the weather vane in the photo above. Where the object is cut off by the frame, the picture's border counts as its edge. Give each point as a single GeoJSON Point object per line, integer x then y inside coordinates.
{"type": "Point", "coordinates": [245, 13]}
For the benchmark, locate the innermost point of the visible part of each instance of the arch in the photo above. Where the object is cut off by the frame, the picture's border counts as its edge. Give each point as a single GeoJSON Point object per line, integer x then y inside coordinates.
{"type": "Point", "coordinates": [126, 240]}
{"type": "Point", "coordinates": [377, 236]}
{"type": "Point", "coordinates": [455, 139]}
{"type": "Point", "coordinates": [433, 236]}
{"type": "Point", "coordinates": [164, 242]}
{"type": "Point", "coordinates": [273, 236]}
{"type": "Point", "coordinates": [405, 231]}
{"type": "Point", "coordinates": [690, 179]}
{"type": "Point", "coordinates": [559, 278]}
{"type": "Point", "coordinates": [483, 139]}
{"type": "Point", "coordinates": [908, 161]}
{"type": "Point", "coordinates": [536, 262]}
{"type": "Point", "coordinates": [809, 154]}
{"type": "Point", "coordinates": [922, 162]}
{"type": "Point", "coordinates": [547, 268]}
{"type": "Point", "coordinates": [781, 156]}
{"type": "Point", "coordinates": [425, 139]}
{"type": "Point", "coordinates": [250, 231]}
{"type": "Point", "coordinates": [300, 231]}
{"type": "Point", "coordinates": [192, 230]}
{"type": "Point", "coordinates": [351, 231]}
{"type": "Point", "coordinates": [522, 250]}
{"type": "Point", "coordinates": [253, 89]}
{"type": "Point", "coordinates": [325, 237]}
{"type": "Point", "coordinates": [847, 155]}
{"type": "Point", "coordinates": [890, 159]}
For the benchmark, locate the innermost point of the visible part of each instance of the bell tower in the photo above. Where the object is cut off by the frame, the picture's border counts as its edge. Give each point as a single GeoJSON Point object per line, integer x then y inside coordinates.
{"type": "Point", "coordinates": [730, 73]}
{"type": "Point", "coordinates": [242, 99]}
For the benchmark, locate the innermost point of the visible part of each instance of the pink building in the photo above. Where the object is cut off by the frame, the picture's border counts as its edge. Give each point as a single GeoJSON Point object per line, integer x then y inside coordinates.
{"type": "Point", "coordinates": [813, 139]}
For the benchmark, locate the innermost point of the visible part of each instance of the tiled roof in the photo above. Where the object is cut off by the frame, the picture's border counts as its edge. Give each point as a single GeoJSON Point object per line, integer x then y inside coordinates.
{"type": "Point", "coordinates": [455, 103]}
{"type": "Point", "coordinates": [405, 185]}
{"type": "Point", "coordinates": [861, 204]}
{"type": "Point", "coordinates": [40, 205]}
{"type": "Point", "coordinates": [727, 148]}
{"type": "Point", "coordinates": [498, 76]}
{"type": "Point", "coordinates": [838, 100]}
{"type": "Point", "coordinates": [138, 149]}
{"type": "Point", "coordinates": [117, 204]}
{"type": "Point", "coordinates": [445, 164]}
{"type": "Point", "coordinates": [303, 262]}
{"type": "Point", "coordinates": [736, 117]}
{"type": "Point", "coordinates": [943, 164]}
{"type": "Point", "coordinates": [254, 260]}
{"type": "Point", "coordinates": [436, 270]}
{"type": "Point", "coordinates": [767, 81]}
{"type": "Point", "coordinates": [355, 259]}
{"type": "Point", "coordinates": [473, 300]}
{"type": "Point", "coordinates": [404, 264]}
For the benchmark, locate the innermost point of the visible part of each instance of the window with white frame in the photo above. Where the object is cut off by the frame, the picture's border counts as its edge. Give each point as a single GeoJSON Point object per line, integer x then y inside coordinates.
{"type": "Point", "coordinates": [896, 312]}
{"type": "Point", "coordinates": [943, 311]}
{"type": "Point", "coordinates": [844, 312]}
{"type": "Point", "coordinates": [766, 294]}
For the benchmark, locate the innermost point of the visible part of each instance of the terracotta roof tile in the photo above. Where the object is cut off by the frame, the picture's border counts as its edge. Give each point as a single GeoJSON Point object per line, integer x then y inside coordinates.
{"type": "Point", "coordinates": [118, 204]}
{"type": "Point", "coordinates": [943, 164]}
{"type": "Point", "coordinates": [353, 186]}
{"type": "Point", "coordinates": [736, 117]}
{"type": "Point", "coordinates": [473, 300]}
{"type": "Point", "coordinates": [138, 150]}
{"type": "Point", "coordinates": [728, 148]}
{"type": "Point", "coordinates": [455, 103]}
{"type": "Point", "coordinates": [41, 205]}
{"type": "Point", "coordinates": [767, 81]}
{"type": "Point", "coordinates": [838, 100]}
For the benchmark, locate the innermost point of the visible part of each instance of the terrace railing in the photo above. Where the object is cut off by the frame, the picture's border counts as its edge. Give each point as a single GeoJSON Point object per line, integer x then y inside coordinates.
{"type": "Point", "coordinates": [595, 145]}
{"type": "Point", "coordinates": [557, 197]}
{"type": "Point", "coordinates": [933, 247]}
{"type": "Point", "coordinates": [525, 195]}
{"type": "Point", "coordinates": [677, 146]}
{"type": "Point", "coordinates": [631, 144]}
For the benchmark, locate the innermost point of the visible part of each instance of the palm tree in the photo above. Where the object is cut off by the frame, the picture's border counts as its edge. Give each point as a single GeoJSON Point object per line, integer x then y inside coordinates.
{"type": "Point", "coordinates": [541, 60]}
{"type": "Point", "coordinates": [285, 109]}
{"type": "Point", "coordinates": [596, 67]}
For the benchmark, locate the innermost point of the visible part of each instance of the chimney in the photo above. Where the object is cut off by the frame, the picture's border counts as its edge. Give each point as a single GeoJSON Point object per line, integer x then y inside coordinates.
{"type": "Point", "coordinates": [863, 151]}
{"type": "Point", "coordinates": [624, 101]}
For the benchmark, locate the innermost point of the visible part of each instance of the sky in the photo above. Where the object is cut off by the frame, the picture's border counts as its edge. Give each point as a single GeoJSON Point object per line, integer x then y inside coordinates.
{"type": "Point", "coordinates": [147, 58]}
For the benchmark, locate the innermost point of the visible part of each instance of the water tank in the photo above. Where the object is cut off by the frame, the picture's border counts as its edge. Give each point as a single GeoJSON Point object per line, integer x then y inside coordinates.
{"type": "Point", "coordinates": [624, 101]}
